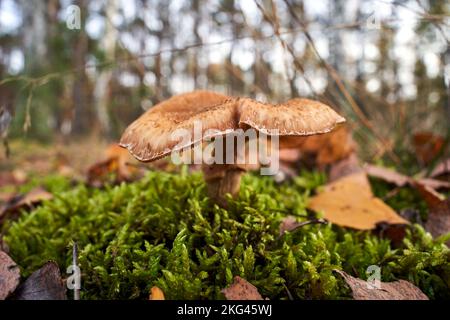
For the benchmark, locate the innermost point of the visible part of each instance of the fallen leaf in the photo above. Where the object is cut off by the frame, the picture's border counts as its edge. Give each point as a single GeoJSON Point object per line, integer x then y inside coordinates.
{"type": "Point", "coordinates": [394, 232]}
{"type": "Point", "coordinates": [27, 200]}
{"type": "Point", "coordinates": [324, 148]}
{"type": "Point", "coordinates": [427, 146]}
{"type": "Point", "coordinates": [43, 284]}
{"type": "Point", "coordinates": [115, 168]}
{"type": "Point", "coordinates": [441, 169]}
{"type": "Point", "coordinates": [9, 275]}
{"type": "Point", "coordinates": [429, 195]}
{"type": "Point", "coordinates": [103, 171]}
{"type": "Point", "coordinates": [330, 147]}
{"type": "Point", "coordinates": [344, 167]}
{"type": "Point", "coordinates": [241, 289]}
{"type": "Point", "coordinates": [358, 180]}
{"type": "Point", "coordinates": [349, 202]}
{"type": "Point", "coordinates": [434, 183]}
{"type": "Point", "coordinates": [397, 290]}
{"type": "Point", "coordinates": [387, 175]}
{"type": "Point", "coordinates": [156, 294]}
{"type": "Point", "coordinates": [116, 151]}
{"type": "Point", "coordinates": [438, 221]}
{"type": "Point", "coordinates": [401, 180]}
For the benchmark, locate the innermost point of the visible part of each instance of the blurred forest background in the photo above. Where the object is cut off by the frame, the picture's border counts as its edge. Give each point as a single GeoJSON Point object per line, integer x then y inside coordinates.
{"type": "Point", "coordinates": [384, 64]}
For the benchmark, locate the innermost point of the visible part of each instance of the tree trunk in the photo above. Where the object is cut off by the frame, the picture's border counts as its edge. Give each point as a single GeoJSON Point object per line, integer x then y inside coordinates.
{"type": "Point", "coordinates": [82, 113]}
{"type": "Point", "coordinates": [101, 91]}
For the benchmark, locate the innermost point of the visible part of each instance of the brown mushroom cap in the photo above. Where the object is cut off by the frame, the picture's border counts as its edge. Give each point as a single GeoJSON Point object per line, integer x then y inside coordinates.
{"type": "Point", "coordinates": [295, 117]}
{"type": "Point", "coordinates": [150, 136]}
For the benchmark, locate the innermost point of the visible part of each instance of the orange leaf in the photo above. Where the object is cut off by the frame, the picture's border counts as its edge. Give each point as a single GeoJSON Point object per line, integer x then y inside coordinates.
{"type": "Point", "coordinates": [330, 147]}
{"type": "Point", "coordinates": [349, 202]}
{"type": "Point", "coordinates": [156, 294]}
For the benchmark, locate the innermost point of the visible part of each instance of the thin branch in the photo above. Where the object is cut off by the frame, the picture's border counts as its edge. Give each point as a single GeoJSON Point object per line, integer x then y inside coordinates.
{"type": "Point", "coordinates": [338, 80]}
{"type": "Point", "coordinates": [287, 47]}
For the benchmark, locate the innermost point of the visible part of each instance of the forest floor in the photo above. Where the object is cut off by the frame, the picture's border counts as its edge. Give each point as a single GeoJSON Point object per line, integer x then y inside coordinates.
{"type": "Point", "coordinates": [314, 233]}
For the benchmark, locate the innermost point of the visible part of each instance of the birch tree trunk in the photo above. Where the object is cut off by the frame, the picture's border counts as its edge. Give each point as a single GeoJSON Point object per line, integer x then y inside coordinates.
{"type": "Point", "coordinates": [102, 94]}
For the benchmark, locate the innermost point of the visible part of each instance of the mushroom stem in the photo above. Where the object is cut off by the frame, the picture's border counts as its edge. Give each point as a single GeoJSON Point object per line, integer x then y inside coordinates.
{"type": "Point", "coordinates": [222, 179]}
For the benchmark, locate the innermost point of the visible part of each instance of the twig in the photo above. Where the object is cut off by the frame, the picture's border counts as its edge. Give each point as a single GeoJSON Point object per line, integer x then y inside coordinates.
{"type": "Point", "coordinates": [27, 122]}
{"type": "Point", "coordinates": [334, 74]}
{"type": "Point", "coordinates": [305, 223]}
{"type": "Point", "coordinates": [287, 47]}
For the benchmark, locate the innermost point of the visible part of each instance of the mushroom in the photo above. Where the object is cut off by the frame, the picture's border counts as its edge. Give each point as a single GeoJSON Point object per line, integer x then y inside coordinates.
{"type": "Point", "coordinates": [151, 136]}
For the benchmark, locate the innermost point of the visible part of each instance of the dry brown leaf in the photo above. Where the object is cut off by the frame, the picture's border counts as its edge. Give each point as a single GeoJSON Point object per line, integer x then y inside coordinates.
{"type": "Point", "coordinates": [443, 168]}
{"type": "Point", "coordinates": [43, 284]}
{"type": "Point", "coordinates": [394, 232]}
{"type": "Point", "coordinates": [429, 195]}
{"type": "Point", "coordinates": [344, 167]}
{"type": "Point", "coordinates": [397, 290]}
{"type": "Point", "coordinates": [329, 147]}
{"type": "Point", "coordinates": [387, 175]}
{"type": "Point", "coordinates": [434, 183]}
{"type": "Point", "coordinates": [100, 173]}
{"type": "Point", "coordinates": [427, 146]}
{"type": "Point", "coordinates": [29, 199]}
{"type": "Point", "coordinates": [9, 275]}
{"type": "Point", "coordinates": [400, 180]}
{"type": "Point", "coordinates": [438, 221]}
{"type": "Point", "coordinates": [116, 165]}
{"type": "Point", "coordinates": [349, 202]}
{"type": "Point", "coordinates": [156, 294]}
{"type": "Point", "coordinates": [241, 289]}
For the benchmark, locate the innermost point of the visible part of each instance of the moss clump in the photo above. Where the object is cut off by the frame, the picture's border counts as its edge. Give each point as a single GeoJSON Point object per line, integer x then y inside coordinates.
{"type": "Point", "coordinates": [164, 231]}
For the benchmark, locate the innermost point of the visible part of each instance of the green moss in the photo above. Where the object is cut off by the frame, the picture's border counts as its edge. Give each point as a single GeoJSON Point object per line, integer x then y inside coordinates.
{"type": "Point", "coordinates": [164, 231]}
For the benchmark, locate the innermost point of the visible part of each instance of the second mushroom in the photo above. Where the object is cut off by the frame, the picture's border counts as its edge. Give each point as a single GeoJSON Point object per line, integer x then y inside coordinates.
{"type": "Point", "coordinates": [154, 134]}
